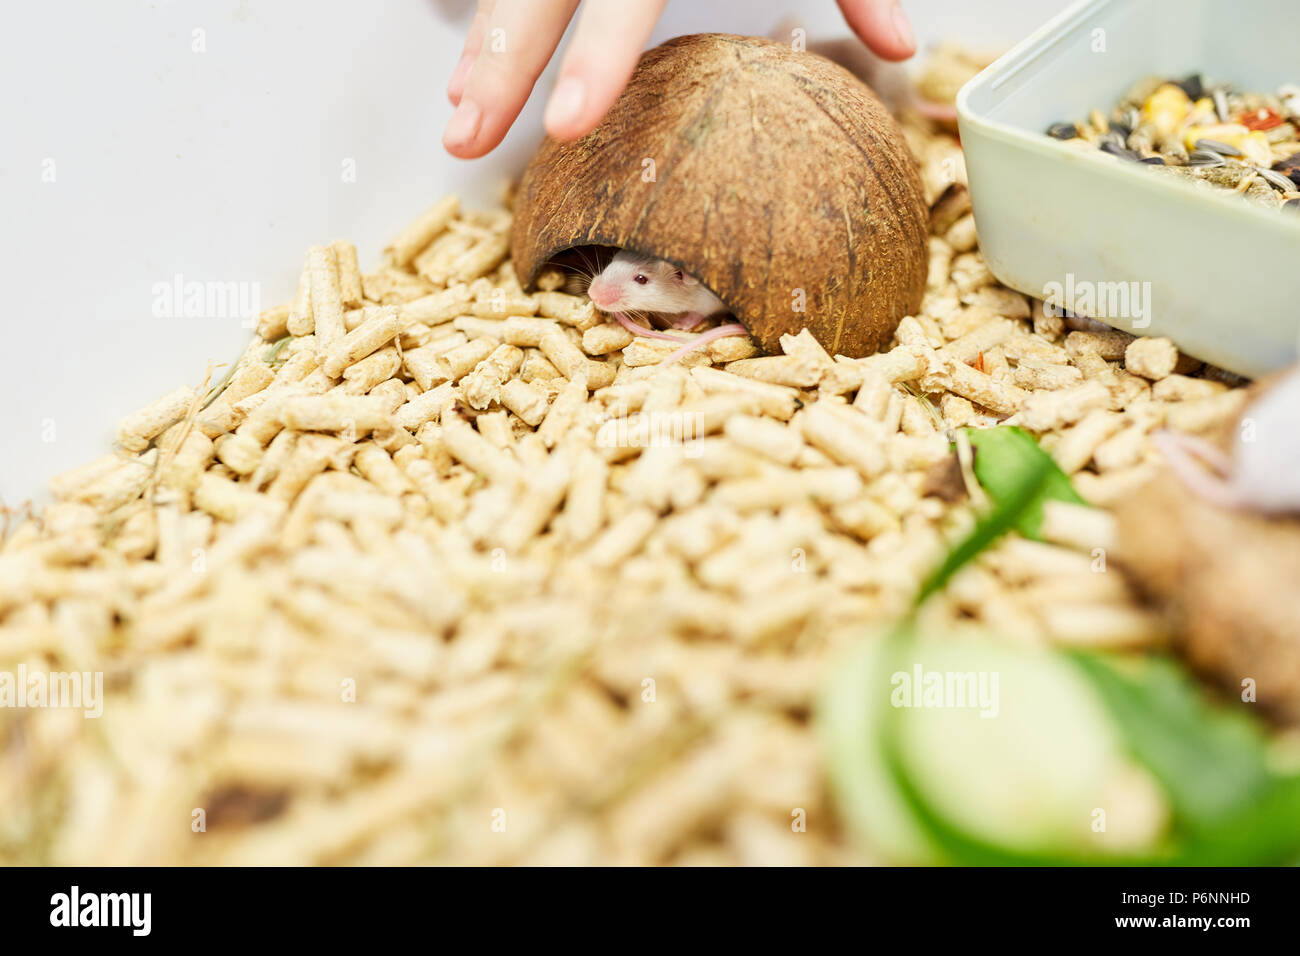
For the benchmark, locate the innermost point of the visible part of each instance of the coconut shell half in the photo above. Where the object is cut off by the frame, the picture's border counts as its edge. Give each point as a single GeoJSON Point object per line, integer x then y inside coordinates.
{"type": "Point", "coordinates": [774, 176]}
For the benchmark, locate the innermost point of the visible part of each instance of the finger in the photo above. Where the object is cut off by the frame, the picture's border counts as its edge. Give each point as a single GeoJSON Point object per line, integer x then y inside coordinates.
{"type": "Point", "coordinates": [473, 43]}
{"type": "Point", "coordinates": [881, 25]}
{"type": "Point", "coordinates": [606, 46]}
{"type": "Point", "coordinates": [520, 37]}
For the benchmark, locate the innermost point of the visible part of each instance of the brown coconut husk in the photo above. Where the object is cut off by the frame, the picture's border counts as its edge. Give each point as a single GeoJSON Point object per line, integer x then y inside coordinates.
{"type": "Point", "coordinates": [776, 174]}
{"type": "Point", "coordinates": [1229, 581]}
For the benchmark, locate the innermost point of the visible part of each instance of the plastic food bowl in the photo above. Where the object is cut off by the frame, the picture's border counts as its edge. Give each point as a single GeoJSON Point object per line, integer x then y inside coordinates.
{"type": "Point", "coordinates": [1123, 244]}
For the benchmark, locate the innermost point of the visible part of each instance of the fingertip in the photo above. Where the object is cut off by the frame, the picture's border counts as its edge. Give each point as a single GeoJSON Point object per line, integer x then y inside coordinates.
{"type": "Point", "coordinates": [462, 152]}
{"type": "Point", "coordinates": [461, 137]}
{"type": "Point", "coordinates": [883, 26]}
{"type": "Point", "coordinates": [601, 58]}
{"type": "Point", "coordinates": [904, 38]}
{"type": "Point", "coordinates": [901, 40]}
{"type": "Point", "coordinates": [893, 52]}
{"type": "Point", "coordinates": [565, 117]}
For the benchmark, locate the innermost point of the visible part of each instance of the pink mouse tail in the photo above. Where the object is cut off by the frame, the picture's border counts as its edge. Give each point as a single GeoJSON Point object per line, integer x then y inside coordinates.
{"type": "Point", "coordinates": [687, 321]}
{"type": "Point", "coordinates": [1181, 453]}
{"type": "Point", "coordinates": [638, 329]}
{"type": "Point", "coordinates": [704, 338]}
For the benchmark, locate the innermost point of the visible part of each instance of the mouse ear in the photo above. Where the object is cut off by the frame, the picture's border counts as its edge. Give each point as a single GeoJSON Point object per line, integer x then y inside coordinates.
{"type": "Point", "coordinates": [687, 278]}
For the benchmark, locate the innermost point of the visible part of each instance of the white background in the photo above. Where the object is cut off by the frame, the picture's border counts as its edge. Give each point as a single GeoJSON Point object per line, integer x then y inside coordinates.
{"type": "Point", "coordinates": [225, 165]}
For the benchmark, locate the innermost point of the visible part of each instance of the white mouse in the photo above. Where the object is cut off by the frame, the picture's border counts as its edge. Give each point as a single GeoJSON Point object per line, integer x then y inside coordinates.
{"type": "Point", "coordinates": [1263, 472]}
{"type": "Point", "coordinates": [636, 283]}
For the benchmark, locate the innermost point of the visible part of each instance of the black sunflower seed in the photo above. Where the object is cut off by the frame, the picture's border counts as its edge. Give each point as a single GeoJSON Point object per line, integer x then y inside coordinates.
{"type": "Point", "coordinates": [1193, 86]}
{"type": "Point", "coordinates": [1123, 152]}
{"type": "Point", "coordinates": [1063, 131]}
{"type": "Point", "coordinates": [1214, 146]}
{"type": "Point", "coordinates": [1276, 180]}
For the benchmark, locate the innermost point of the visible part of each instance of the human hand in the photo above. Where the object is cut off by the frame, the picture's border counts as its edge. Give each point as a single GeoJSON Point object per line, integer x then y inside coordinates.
{"type": "Point", "coordinates": [511, 41]}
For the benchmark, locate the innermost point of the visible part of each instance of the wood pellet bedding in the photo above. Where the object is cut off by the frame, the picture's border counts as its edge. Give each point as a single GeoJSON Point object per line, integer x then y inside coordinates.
{"type": "Point", "coordinates": [447, 572]}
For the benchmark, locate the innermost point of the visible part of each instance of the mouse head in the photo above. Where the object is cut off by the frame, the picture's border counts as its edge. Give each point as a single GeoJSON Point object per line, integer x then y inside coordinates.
{"type": "Point", "coordinates": [637, 283]}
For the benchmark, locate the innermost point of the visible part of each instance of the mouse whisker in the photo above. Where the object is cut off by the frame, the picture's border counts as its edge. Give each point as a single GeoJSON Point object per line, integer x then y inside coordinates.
{"type": "Point", "coordinates": [578, 284]}
{"type": "Point", "coordinates": [578, 278]}
{"type": "Point", "coordinates": [588, 261]}
{"type": "Point", "coordinates": [580, 270]}
{"type": "Point", "coordinates": [589, 264]}
{"type": "Point", "coordinates": [641, 317]}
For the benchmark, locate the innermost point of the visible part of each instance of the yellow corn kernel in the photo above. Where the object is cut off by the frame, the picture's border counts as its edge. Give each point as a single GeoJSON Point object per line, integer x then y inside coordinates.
{"type": "Point", "coordinates": [1166, 109]}
{"type": "Point", "coordinates": [1257, 149]}
{"type": "Point", "coordinates": [1230, 134]}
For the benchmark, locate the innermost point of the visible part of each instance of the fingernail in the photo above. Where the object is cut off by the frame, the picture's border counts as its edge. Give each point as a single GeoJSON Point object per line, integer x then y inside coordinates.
{"type": "Point", "coordinates": [903, 28]}
{"type": "Point", "coordinates": [463, 125]}
{"type": "Point", "coordinates": [566, 103]}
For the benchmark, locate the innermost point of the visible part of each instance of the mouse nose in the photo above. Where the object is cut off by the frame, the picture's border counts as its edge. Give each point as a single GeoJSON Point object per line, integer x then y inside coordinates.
{"type": "Point", "coordinates": [602, 294]}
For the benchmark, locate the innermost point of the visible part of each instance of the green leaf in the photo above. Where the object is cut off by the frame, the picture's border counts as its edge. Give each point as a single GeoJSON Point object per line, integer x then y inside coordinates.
{"type": "Point", "coordinates": [1209, 761]}
{"type": "Point", "coordinates": [1021, 492]}
{"type": "Point", "coordinates": [1018, 477]}
{"type": "Point", "coordinates": [1213, 763]}
{"type": "Point", "coordinates": [1006, 458]}
{"type": "Point", "coordinates": [1263, 832]}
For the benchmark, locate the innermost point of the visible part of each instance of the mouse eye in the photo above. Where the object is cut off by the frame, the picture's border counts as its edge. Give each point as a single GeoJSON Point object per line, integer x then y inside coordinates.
{"type": "Point", "coordinates": [640, 279]}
